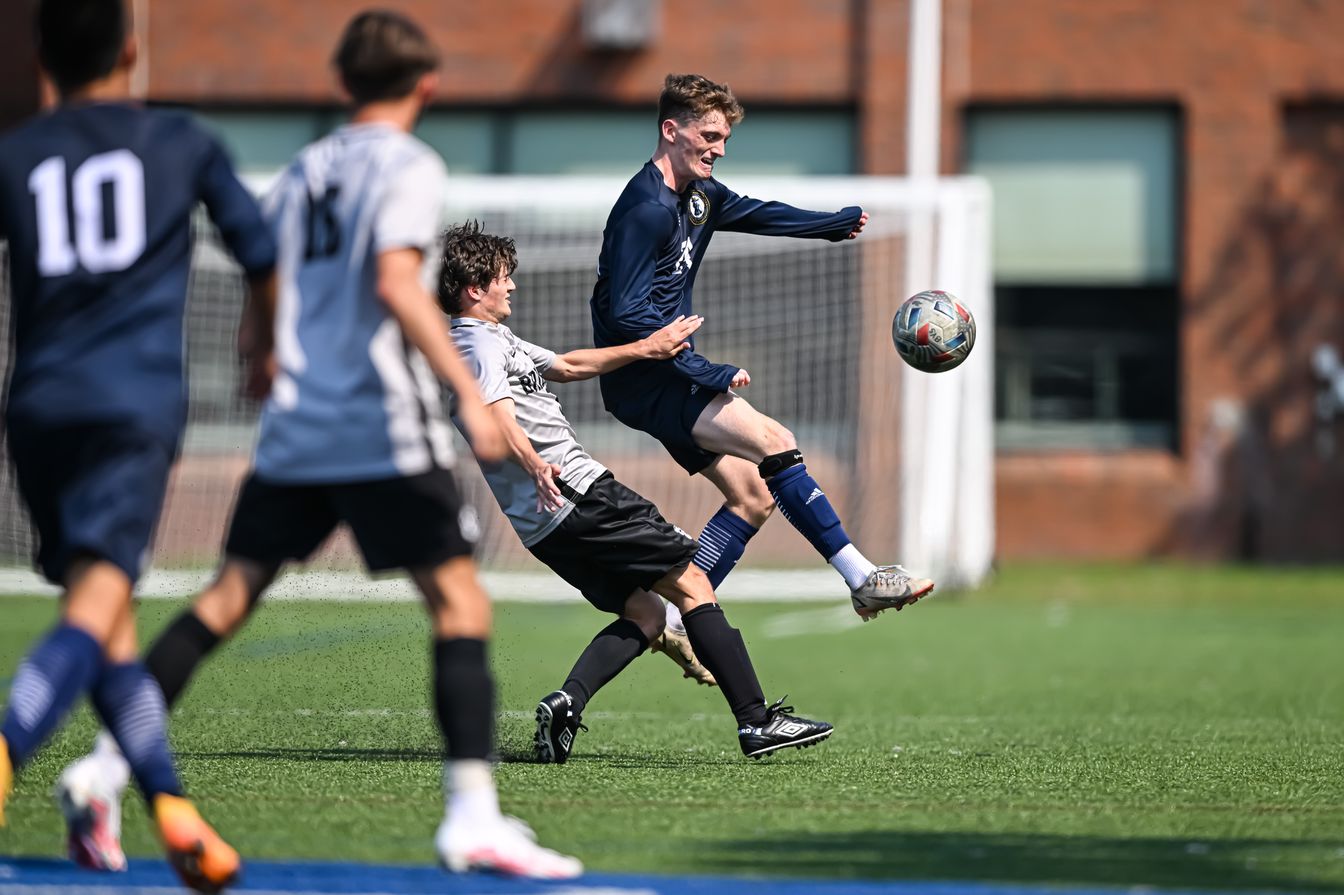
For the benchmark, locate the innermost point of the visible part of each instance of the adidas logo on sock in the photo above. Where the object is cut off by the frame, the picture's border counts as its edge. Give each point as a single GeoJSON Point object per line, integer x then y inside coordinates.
{"type": "Point", "coordinates": [816, 492]}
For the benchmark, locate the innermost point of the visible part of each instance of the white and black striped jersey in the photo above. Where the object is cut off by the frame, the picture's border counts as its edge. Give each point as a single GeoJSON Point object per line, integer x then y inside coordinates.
{"type": "Point", "coordinates": [353, 400]}
{"type": "Point", "coordinates": [506, 366]}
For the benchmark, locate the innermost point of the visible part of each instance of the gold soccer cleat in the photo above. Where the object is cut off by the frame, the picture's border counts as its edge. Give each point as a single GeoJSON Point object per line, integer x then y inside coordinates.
{"type": "Point", "coordinates": [677, 647]}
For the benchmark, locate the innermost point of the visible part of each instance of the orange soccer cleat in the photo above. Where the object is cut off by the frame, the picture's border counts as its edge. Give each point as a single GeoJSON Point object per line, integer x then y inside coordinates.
{"type": "Point", "coordinates": [204, 861]}
{"type": "Point", "coordinates": [6, 777]}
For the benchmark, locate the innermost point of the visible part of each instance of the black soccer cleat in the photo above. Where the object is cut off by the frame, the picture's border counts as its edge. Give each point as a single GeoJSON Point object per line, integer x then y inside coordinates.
{"type": "Point", "coordinates": [781, 730]}
{"type": "Point", "coordinates": [556, 726]}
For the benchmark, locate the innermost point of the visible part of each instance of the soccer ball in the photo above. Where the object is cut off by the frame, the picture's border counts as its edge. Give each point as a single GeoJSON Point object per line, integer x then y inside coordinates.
{"type": "Point", "coordinates": [933, 331]}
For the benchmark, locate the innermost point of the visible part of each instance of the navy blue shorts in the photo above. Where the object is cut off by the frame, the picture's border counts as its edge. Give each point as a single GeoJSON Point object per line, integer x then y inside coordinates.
{"type": "Point", "coordinates": [664, 405]}
{"type": "Point", "coordinates": [92, 490]}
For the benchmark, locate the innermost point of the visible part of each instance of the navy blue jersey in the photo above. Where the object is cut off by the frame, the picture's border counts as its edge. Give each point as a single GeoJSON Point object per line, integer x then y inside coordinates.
{"type": "Point", "coordinates": [651, 251]}
{"type": "Point", "coordinates": [96, 202]}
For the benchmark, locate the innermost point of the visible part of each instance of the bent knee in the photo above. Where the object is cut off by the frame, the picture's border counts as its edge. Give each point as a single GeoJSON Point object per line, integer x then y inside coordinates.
{"type": "Point", "coordinates": [755, 508]}
{"type": "Point", "coordinates": [223, 608]}
{"type": "Point", "coordinates": [646, 610]}
{"type": "Point", "coordinates": [778, 438]}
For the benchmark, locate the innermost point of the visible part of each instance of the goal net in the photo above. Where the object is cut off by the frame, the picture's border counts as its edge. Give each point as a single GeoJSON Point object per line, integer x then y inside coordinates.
{"type": "Point", "coordinates": [905, 457]}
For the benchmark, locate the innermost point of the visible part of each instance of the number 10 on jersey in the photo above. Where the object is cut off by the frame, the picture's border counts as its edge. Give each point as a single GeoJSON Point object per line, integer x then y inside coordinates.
{"type": "Point", "coordinates": [121, 176]}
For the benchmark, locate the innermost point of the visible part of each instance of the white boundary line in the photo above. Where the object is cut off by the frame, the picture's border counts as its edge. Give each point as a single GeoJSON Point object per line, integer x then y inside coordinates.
{"type": "Point", "coordinates": [505, 587]}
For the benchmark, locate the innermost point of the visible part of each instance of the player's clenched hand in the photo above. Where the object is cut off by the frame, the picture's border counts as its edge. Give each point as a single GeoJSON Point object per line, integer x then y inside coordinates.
{"type": "Point", "coordinates": [858, 228]}
{"type": "Point", "coordinates": [544, 476]}
{"type": "Point", "coordinates": [741, 379]}
{"type": "Point", "coordinates": [671, 339]}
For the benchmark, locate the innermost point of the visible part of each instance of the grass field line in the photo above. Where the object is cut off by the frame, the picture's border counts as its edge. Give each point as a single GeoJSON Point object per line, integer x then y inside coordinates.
{"type": "Point", "coordinates": [785, 585]}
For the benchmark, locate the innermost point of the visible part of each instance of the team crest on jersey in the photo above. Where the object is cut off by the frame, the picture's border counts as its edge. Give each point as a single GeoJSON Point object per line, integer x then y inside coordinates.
{"type": "Point", "coordinates": [697, 207]}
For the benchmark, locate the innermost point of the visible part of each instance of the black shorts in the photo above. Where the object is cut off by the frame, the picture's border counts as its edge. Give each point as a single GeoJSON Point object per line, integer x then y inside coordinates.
{"type": "Point", "coordinates": [409, 522]}
{"type": "Point", "coordinates": [93, 489]}
{"type": "Point", "coordinates": [613, 543]}
{"type": "Point", "coordinates": [664, 405]}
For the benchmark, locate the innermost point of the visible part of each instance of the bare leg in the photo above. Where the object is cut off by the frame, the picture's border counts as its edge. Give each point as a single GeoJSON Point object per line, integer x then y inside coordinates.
{"type": "Point", "coordinates": [730, 425]}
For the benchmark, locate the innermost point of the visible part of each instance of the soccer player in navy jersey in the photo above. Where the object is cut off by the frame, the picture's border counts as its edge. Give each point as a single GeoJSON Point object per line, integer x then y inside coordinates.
{"type": "Point", "coordinates": [96, 198]}
{"type": "Point", "coordinates": [654, 242]}
{"type": "Point", "coordinates": [354, 430]}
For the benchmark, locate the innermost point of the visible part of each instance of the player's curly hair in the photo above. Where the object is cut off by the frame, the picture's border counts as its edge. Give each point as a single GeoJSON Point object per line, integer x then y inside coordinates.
{"type": "Point", "coordinates": [472, 257]}
{"type": "Point", "coordinates": [382, 55]}
{"type": "Point", "coordinates": [688, 97]}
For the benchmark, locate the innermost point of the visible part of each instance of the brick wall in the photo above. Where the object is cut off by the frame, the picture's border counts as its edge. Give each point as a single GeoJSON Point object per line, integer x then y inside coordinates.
{"type": "Point", "coordinates": [506, 52]}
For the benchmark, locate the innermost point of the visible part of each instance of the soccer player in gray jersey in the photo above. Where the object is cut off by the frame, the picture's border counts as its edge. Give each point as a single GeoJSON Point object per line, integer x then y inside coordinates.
{"type": "Point", "coordinates": [573, 515]}
{"type": "Point", "coordinates": [354, 429]}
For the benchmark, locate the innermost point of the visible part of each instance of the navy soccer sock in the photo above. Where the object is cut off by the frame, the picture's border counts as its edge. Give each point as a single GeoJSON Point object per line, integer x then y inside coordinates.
{"type": "Point", "coordinates": [720, 648]}
{"type": "Point", "coordinates": [804, 504]}
{"type": "Point", "coordinates": [48, 682]}
{"type": "Point", "coordinates": [614, 647]}
{"type": "Point", "coordinates": [130, 704]}
{"type": "Point", "coordinates": [722, 541]}
{"type": "Point", "coordinates": [177, 651]}
{"type": "Point", "coordinates": [464, 697]}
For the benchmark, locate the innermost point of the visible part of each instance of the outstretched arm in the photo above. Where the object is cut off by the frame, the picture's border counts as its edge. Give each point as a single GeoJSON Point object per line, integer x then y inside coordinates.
{"type": "Point", "coordinates": [585, 363]}
{"type": "Point", "coordinates": [520, 451]}
{"type": "Point", "coordinates": [747, 215]}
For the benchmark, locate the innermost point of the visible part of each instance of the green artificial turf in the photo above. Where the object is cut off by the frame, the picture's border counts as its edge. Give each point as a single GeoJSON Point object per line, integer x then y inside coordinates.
{"type": "Point", "coordinates": [1155, 725]}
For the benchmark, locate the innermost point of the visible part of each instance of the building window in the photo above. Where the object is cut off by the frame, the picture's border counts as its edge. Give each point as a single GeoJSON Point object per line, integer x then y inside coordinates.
{"type": "Point", "coordinates": [794, 142]}
{"type": "Point", "coordinates": [1086, 273]}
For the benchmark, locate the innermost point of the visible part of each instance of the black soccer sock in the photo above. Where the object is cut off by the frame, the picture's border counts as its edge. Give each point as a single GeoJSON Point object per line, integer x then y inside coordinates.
{"type": "Point", "coordinates": [720, 649]}
{"type": "Point", "coordinates": [173, 658]}
{"type": "Point", "coordinates": [464, 698]}
{"type": "Point", "coordinates": [614, 647]}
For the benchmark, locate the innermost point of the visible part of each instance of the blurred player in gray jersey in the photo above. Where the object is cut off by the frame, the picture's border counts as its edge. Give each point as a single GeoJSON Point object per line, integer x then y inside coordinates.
{"type": "Point", "coordinates": [354, 429]}
{"type": "Point", "coordinates": [573, 515]}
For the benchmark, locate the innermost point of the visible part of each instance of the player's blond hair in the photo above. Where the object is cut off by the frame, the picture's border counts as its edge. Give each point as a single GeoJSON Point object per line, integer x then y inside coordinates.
{"type": "Point", "coordinates": [688, 97]}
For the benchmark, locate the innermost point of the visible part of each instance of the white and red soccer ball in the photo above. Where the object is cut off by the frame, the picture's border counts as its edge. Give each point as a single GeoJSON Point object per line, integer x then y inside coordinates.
{"type": "Point", "coordinates": [933, 331]}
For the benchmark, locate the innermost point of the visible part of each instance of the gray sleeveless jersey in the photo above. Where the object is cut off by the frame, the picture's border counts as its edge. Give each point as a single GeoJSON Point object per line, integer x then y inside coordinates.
{"type": "Point", "coordinates": [508, 367]}
{"type": "Point", "coordinates": [353, 401]}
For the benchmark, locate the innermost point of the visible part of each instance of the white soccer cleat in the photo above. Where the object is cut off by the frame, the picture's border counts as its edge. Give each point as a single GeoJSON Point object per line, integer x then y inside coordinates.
{"type": "Point", "coordinates": [91, 806]}
{"type": "Point", "coordinates": [888, 587]}
{"type": "Point", "coordinates": [502, 845]}
{"type": "Point", "coordinates": [677, 647]}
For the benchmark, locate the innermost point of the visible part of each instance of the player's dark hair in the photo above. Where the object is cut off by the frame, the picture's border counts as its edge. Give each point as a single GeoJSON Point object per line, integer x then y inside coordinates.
{"type": "Point", "coordinates": [688, 97]}
{"type": "Point", "coordinates": [79, 41]}
{"type": "Point", "coordinates": [472, 258]}
{"type": "Point", "coordinates": [382, 55]}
